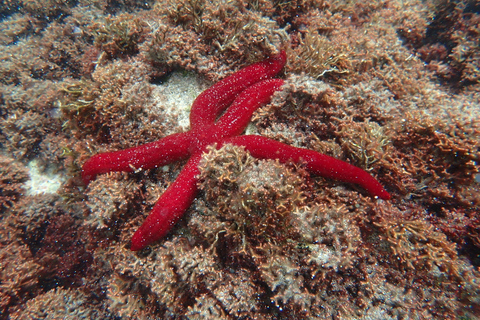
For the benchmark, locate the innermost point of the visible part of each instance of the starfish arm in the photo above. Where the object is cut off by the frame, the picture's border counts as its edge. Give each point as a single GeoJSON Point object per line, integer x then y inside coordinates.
{"type": "Point", "coordinates": [316, 162]}
{"type": "Point", "coordinates": [169, 149]}
{"type": "Point", "coordinates": [210, 103]}
{"type": "Point", "coordinates": [238, 115]}
{"type": "Point", "coordinates": [170, 207]}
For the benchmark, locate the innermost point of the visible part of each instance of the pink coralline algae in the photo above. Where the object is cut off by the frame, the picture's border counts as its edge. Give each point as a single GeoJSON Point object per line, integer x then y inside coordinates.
{"type": "Point", "coordinates": [242, 93]}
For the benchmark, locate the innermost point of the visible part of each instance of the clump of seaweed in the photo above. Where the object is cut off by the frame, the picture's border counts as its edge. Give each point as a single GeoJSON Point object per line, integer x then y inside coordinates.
{"type": "Point", "coordinates": [43, 247]}
{"type": "Point", "coordinates": [449, 43]}
{"type": "Point", "coordinates": [250, 192]}
{"type": "Point", "coordinates": [16, 26]}
{"type": "Point", "coordinates": [212, 28]}
{"type": "Point", "coordinates": [13, 175]}
{"type": "Point", "coordinates": [226, 26]}
{"type": "Point", "coordinates": [454, 145]}
{"type": "Point", "coordinates": [77, 101]}
{"type": "Point", "coordinates": [45, 10]}
{"type": "Point", "coordinates": [418, 246]}
{"type": "Point", "coordinates": [263, 240]}
{"type": "Point", "coordinates": [424, 249]}
{"type": "Point", "coordinates": [59, 303]}
{"type": "Point", "coordinates": [112, 93]}
{"type": "Point", "coordinates": [22, 132]}
{"type": "Point", "coordinates": [365, 142]}
{"type": "Point", "coordinates": [120, 36]}
{"type": "Point", "coordinates": [19, 271]}
{"type": "Point", "coordinates": [300, 114]}
{"type": "Point", "coordinates": [330, 234]}
{"type": "Point", "coordinates": [110, 200]}
{"type": "Point", "coordinates": [317, 56]}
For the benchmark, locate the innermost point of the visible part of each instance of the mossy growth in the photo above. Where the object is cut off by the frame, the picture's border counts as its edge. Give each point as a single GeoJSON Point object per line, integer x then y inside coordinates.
{"type": "Point", "coordinates": [120, 35]}
{"type": "Point", "coordinates": [317, 56]}
{"type": "Point", "coordinates": [77, 103]}
{"type": "Point", "coordinates": [364, 141]}
{"type": "Point", "coordinates": [418, 246]}
{"type": "Point", "coordinates": [255, 197]}
{"type": "Point", "coordinates": [224, 27]}
{"type": "Point", "coordinates": [187, 13]}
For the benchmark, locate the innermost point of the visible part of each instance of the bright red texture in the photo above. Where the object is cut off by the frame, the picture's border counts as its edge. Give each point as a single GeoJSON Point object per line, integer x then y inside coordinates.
{"type": "Point", "coordinates": [242, 93]}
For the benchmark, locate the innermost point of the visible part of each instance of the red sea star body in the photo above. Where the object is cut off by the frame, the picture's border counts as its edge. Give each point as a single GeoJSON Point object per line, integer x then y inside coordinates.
{"type": "Point", "coordinates": [245, 91]}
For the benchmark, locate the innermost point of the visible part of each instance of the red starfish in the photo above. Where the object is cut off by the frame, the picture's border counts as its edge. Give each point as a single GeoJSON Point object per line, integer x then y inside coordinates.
{"type": "Point", "coordinates": [245, 91]}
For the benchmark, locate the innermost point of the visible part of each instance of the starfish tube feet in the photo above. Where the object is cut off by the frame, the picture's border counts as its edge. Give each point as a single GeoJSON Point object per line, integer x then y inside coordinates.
{"type": "Point", "coordinates": [316, 162]}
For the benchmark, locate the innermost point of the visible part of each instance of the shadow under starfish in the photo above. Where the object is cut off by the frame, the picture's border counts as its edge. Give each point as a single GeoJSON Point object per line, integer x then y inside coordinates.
{"type": "Point", "coordinates": [242, 93]}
